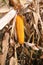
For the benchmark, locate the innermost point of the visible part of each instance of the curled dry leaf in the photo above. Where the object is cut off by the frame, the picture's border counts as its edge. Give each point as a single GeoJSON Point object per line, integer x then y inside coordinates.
{"type": "Point", "coordinates": [4, 10]}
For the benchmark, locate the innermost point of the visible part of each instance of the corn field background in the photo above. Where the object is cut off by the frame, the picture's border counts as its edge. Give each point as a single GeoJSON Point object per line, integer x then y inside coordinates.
{"type": "Point", "coordinates": [21, 32]}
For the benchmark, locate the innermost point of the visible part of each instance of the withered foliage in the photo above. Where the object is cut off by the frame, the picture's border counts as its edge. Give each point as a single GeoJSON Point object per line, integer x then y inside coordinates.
{"type": "Point", "coordinates": [31, 51]}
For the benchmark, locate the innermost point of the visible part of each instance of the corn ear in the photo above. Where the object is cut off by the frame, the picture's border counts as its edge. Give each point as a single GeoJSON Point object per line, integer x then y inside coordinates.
{"type": "Point", "coordinates": [20, 29]}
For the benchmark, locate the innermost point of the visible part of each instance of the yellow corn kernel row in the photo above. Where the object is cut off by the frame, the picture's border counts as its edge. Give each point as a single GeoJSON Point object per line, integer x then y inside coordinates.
{"type": "Point", "coordinates": [20, 29]}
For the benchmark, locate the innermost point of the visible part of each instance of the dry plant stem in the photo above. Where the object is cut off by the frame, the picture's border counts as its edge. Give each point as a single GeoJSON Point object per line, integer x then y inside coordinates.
{"type": "Point", "coordinates": [37, 15]}
{"type": "Point", "coordinates": [31, 53]}
{"type": "Point", "coordinates": [13, 26]}
{"type": "Point", "coordinates": [5, 48]}
{"type": "Point", "coordinates": [40, 20]}
{"type": "Point", "coordinates": [31, 36]}
{"type": "Point", "coordinates": [16, 62]}
{"type": "Point", "coordinates": [13, 60]}
{"type": "Point", "coordinates": [26, 31]}
{"type": "Point", "coordinates": [36, 18]}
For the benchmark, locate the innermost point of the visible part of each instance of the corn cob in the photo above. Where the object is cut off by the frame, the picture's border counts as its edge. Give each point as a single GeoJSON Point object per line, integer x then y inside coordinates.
{"type": "Point", "coordinates": [20, 29]}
